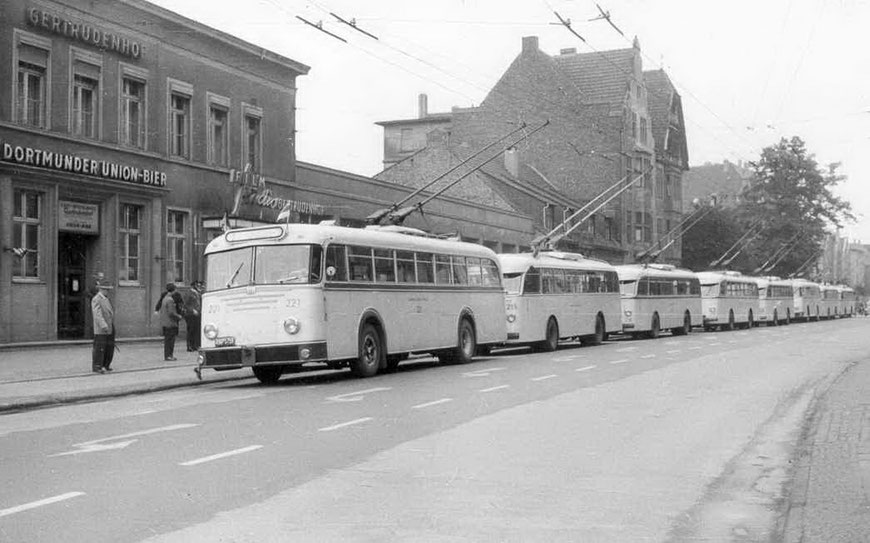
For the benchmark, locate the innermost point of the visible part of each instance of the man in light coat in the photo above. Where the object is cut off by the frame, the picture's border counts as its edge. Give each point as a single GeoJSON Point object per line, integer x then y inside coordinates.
{"type": "Point", "coordinates": [104, 329]}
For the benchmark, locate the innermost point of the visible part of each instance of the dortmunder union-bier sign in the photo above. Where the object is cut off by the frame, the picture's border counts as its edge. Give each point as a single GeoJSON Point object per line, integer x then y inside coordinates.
{"type": "Point", "coordinates": [64, 162]}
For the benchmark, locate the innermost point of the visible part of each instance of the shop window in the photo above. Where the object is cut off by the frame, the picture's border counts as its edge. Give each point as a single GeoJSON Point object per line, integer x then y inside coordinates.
{"type": "Point", "coordinates": [26, 233]}
{"type": "Point", "coordinates": [32, 84]}
{"type": "Point", "coordinates": [133, 108]}
{"type": "Point", "coordinates": [218, 133]}
{"type": "Point", "coordinates": [176, 245]}
{"type": "Point", "coordinates": [179, 125]}
{"type": "Point", "coordinates": [130, 238]}
{"type": "Point", "coordinates": [252, 143]}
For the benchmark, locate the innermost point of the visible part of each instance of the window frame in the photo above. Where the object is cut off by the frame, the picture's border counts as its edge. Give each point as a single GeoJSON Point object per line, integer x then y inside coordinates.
{"type": "Point", "coordinates": [77, 56]}
{"type": "Point", "coordinates": [251, 111]}
{"type": "Point", "coordinates": [181, 90]}
{"type": "Point", "coordinates": [216, 101]}
{"type": "Point", "coordinates": [25, 221]}
{"type": "Point", "coordinates": [19, 38]}
{"type": "Point", "coordinates": [124, 235]}
{"type": "Point", "coordinates": [140, 76]}
{"type": "Point", "coordinates": [184, 237]}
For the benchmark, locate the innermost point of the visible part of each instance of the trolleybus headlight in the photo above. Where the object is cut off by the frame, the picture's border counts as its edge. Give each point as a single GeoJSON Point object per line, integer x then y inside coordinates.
{"type": "Point", "coordinates": [511, 318]}
{"type": "Point", "coordinates": [291, 325]}
{"type": "Point", "coordinates": [210, 331]}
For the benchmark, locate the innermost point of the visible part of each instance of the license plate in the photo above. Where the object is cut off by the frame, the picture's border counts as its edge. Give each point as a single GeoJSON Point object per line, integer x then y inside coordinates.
{"type": "Point", "coordinates": [228, 341]}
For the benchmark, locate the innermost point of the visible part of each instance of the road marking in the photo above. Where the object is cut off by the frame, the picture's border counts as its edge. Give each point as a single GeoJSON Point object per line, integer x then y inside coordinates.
{"type": "Point", "coordinates": [567, 358]}
{"type": "Point", "coordinates": [221, 455]}
{"type": "Point", "coordinates": [586, 368]}
{"type": "Point", "coordinates": [626, 349]}
{"type": "Point", "coordinates": [356, 396]}
{"type": "Point", "coordinates": [672, 342]}
{"type": "Point", "coordinates": [695, 348]}
{"type": "Point", "coordinates": [714, 344]}
{"type": "Point", "coordinates": [481, 373]}
{"type": "Point", "coordinates": [648, 356]}
{"type": "Point", "coordinates": [544, 377]}
{"type": "Point", "coordinates": [430, 404]}
{"type": "Point", "coordinates": [623, 361]}
{"type": "Point", "coordinates": [39, 503]}
{"type": "Point", "coordinates": [344, 424]}
{"type": "Point", "coordinates": [490, 389]}
{"type": "Point", "coordinates": [675, 351]}
{"type": "Point", "coordinates": [98, 445]}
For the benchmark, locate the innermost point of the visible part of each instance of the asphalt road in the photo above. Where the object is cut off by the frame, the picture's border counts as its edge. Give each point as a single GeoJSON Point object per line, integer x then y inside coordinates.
{"type": "Point", "coordinates": [676, 439]}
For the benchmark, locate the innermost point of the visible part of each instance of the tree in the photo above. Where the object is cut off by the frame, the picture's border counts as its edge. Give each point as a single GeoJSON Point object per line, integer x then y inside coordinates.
{"type": "Point", "coordinates": [786, 208]}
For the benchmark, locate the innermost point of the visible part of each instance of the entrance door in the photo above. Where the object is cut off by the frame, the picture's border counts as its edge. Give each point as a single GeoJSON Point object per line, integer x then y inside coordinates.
{"type": "Point", "coordinates": [72, 297]}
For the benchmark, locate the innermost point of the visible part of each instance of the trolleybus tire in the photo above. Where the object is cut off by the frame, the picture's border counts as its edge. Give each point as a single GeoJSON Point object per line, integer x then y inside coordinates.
{"type": "Point", "coordinates": [730, 325]}
{"type": "Point", "coordinates": [551, 339]}
{"type": "Point", "coordinates": [371, 352]}
{"type": "Point", "coordinates": [655, 327]}
{"type": "Point", "coordinates": [268, 375]}
{"type": "Point", "coordinates": [600, 332]}
{"type": "Point", "coordinates": [466, 345]}
{"type": "Point", "coordinates": [686, 329]}
{"type": "Point", "coordinates": [750, 323]}
{"type": "Point", "coordinates": [788, 316]}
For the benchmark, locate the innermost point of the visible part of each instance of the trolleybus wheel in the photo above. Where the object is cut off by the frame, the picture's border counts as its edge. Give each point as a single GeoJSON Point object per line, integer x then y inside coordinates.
{"type": "Point", "coordinates": [654, 327]}
{"type": "Point", "coordinates": [751, 322]}
{"type": "Point", "coordinates": [775, 318]}
{"type": "Point", "coordinates": [371, 352]}
{"type": "Point", "coordinates": [267, 374]}
{"type": "Point", "coordinates": [788, 316]}
{"type": "Point", "coordinates": [466, 345]}
{"type": "Point", "coordinates": [600, 332]}
{"type": "Point", "coordinates": [551, 340]}
{"type": "Point", "coordinates": [686, 329]}
{"type": "Point", "coordinates": [730, 325]}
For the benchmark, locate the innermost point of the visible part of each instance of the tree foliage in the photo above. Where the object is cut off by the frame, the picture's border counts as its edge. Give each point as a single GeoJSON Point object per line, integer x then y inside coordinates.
{"type": "Point", "coordinates": [788, 204]}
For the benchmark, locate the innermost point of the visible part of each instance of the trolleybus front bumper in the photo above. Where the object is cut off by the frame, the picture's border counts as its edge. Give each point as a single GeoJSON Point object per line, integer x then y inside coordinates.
{"type": "Point", "coordinates": [243, 356]}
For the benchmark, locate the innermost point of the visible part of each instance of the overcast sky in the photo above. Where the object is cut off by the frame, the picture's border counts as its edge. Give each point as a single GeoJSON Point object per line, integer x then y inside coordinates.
{"type": "Point", "coordinates": [749, 71]}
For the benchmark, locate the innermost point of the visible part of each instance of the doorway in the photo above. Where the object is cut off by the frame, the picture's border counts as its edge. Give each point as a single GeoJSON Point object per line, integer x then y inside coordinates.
{"type": "Point", "coordinates": [72, 294]}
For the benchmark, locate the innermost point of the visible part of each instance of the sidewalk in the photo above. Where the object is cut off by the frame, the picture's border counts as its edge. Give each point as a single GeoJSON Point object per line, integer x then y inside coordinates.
{"type": "Point", "coordinates": [50, 373]}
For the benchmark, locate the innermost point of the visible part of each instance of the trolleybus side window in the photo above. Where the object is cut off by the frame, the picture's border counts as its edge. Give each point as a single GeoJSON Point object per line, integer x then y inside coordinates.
{"type": "Point", "coordinates": [385, 266]}
{"type": "Point", "coordinates": [405, 267]}
{"type": "Point", "coordinates": [532, 281]}
{"type": "Point", "coordinates": [475, 277]}
{"type": "Point", "coordinates": [336, 263]}
{"type": "Point", "coordinates": [442, 270]}
{"type": "Point", "coordinates": [643, 287]}
{"type": "Point", "coordinates": [491, 277]}
{"type": "Point", "coordinates": [425, 273]}
{"type": "Point", "coordinates": [460, 271]}
{"type": "Point", "coordinates": [359, 260]}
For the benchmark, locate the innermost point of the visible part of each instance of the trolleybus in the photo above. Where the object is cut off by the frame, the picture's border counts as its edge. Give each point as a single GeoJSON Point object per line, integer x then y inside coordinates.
{"type": "Point", "coordinates": [658, 297]}
{"type": "Point", "coordinates": [775, 300]}
{"type": "Point", "coordinates": [554, 295]}
{"type": "Point", "coordinates": [728, 299]}
{"type": "Point", "coordinates": [284, 295]}
{"type": "Point", "coordinates": [807, 299]}
{"type": "Point", "coordinates": [830, 301]}
{"type": "Point", "coordinates": [848, 300]}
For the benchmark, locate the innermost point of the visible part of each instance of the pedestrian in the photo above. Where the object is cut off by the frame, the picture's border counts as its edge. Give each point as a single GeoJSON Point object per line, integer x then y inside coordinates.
{"type": "Point", "coordinates": [169, 317]}
{"type": "Point", "coordinates": [192, 316]}
{"type": "Point", "coordinates": [104, 328]}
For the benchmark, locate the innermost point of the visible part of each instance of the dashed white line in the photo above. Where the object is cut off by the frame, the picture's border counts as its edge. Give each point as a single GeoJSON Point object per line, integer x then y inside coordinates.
{"type": "Point", "coordinates": [218, 456]}
{"type": "Point", "coordinates": [39, 503]}
{"type": "Point", "coordinates": [344, 424]}
{"type": "Point", "coordinates": [626, 349]}
{"type": "Point", "coordinates": [481, 372]}
{"type": "Point", "coordinates": [675, 351]}
{"type": "Point", "coordinates": [356, 396]}
{"type": "Point", "coordinates": [544, 377]}
{"type": "Point", "coordinates": [648, 356]}
{"type": "Point", "coordinates": [490, 389]}
{"type": "Point", "coordinates": [430, 404]}
{"type": "Point", "coordinates": [586, 368]}
{"type": "Point", "coordinates": [622, 361]}
{"type": "Point", "coordinates": [695, 348]}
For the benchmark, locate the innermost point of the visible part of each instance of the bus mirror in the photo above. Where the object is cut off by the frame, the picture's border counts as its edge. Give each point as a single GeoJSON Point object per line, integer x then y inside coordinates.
{"type": "Point", "coordinates": [330, 271]}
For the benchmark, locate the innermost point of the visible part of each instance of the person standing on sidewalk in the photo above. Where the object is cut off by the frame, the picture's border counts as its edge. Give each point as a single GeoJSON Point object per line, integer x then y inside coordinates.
{"type": "Point", "coordinates": [192, 316]}
{"type": "Point", "coordinates": [104, 329]}
{"type": "Point", "coordinates": [169, 317]}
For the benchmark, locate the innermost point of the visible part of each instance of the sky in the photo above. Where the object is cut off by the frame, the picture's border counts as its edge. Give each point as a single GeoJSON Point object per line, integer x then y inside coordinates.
{"type": "Point", "coordinates": [750, 72]}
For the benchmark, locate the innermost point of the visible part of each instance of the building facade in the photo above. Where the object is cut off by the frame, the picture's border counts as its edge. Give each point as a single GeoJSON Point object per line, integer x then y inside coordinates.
{"type": "Point", "coordinates": [121, 125]}
{"type": "Point", "coordinates": [609, 121]}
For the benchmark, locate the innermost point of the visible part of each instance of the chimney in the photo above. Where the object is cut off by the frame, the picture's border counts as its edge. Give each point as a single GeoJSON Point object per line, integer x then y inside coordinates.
{"type": "Point", "coordinates": [569, 51]}
{"type": "Point", "coordinates": [512, 161]}
{"type": "Point", "coordinates": [530, 43]}
{"type": "Point", "coordinates": [422, 105]}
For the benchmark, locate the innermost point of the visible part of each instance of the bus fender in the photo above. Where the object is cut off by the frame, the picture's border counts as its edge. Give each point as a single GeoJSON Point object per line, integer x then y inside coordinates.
{"type": "Point", "coordinates": [467, 312]}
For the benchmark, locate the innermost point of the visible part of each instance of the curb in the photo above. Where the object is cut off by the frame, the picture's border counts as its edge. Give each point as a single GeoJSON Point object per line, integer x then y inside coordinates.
{"type": "Point", "coordinates": [36, 402]}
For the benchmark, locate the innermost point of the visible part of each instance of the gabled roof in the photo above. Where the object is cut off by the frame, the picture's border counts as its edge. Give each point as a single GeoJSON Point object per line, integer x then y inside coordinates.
{"type": "Point", "coordinates": [425, 165]}
{"type": "Point", "coordinates": [659, 98]}
{"type": "Point", "coordinates": [601, 76]}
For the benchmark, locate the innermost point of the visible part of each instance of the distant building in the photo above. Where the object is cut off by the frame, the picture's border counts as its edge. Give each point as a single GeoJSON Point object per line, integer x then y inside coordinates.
{"type": "Point", "coordinates": [722, 183]}
{"type": "Point", "coordinates": [609, 120]}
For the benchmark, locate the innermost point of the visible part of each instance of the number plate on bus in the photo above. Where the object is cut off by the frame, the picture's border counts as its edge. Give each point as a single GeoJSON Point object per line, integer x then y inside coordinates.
{"type": "Point", "coordinates": [227, 341]}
